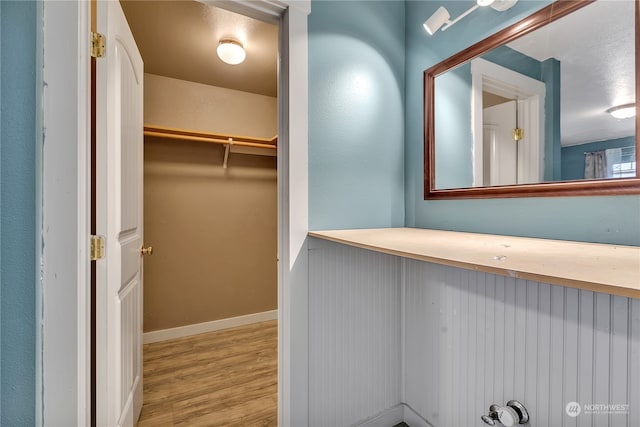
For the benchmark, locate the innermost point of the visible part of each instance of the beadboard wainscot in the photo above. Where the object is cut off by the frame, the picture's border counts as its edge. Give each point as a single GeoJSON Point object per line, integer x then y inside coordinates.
{"type": "Point", "coordinates": [611, 269]}
{"type": "Point", "coordinates": [405, 324]}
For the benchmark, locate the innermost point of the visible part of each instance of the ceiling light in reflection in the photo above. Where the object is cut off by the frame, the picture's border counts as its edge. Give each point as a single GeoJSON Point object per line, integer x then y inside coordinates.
{"type": "Point", "coordinates": [625, 111]}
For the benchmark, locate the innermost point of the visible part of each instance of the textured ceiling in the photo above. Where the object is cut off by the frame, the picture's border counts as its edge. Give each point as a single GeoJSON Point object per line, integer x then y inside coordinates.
{"type": "Point", "coordinates": [595, 47]}
{"type": "Point", "coordinates": [179, 39]}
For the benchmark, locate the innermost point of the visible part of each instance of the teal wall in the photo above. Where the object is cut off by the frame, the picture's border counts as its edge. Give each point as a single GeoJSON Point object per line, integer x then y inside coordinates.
{"type": "Point", "coordinates": [455, 158]}
{"type": "Point", "coordinates": [595, 219]}
{"type": "Point", "coordinates": [18, 29]}
{"type": "Point", "coordinates": [516, 61]}
{"type": "Point", "coordinates": [550, 71]}
{"type": "Point", "coordinates": [356, 114]}
{"type": "Point", "coordinates": [573, 156]}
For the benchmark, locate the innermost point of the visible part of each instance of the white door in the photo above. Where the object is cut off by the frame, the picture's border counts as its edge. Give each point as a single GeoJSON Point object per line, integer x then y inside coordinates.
{"type": "Point", "coordinates": [119, 125]}
{"type": "Point", "coordinates": [499, 121]}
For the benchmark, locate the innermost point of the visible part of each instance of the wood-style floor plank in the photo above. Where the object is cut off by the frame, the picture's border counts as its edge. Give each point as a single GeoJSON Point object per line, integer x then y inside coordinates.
{"type": "Point", "coordinates": [222, 378]}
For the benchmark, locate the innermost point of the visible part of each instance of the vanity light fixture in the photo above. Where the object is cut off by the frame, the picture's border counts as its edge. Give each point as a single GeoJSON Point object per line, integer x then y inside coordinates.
{"type": "Point", "coordinates": [442, 17]}
{"type": "Point", "coordinates": [231, 51]}
{"type": "Point", "coordinates": [436, 20]}
{"type": "Point", "coordinates": [625, 111]}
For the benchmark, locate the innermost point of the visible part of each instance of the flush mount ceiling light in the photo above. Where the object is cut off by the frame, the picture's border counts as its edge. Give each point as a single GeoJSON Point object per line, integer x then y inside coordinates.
{"type": "Point", "coordinates": [623, 111]}
{"type": "Point", "coordinates": [441, 16]}
{"type": "Point", "coordinates": [231, 51]}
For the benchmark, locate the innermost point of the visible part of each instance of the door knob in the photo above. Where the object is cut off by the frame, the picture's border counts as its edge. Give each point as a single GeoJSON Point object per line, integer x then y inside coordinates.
{"type": "Point", "coordinates": [146, 251]}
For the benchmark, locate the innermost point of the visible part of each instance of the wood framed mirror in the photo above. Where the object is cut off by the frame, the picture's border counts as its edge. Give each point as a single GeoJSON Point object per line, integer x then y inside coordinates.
{"type": "Point", "coordinates": [463, 157]}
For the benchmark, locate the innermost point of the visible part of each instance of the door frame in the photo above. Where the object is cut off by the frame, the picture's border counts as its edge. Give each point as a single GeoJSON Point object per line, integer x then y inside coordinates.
{"type": "Point", "coordinates": [63, 392]}
{"type": "Point", "coordinates": [531, 93]}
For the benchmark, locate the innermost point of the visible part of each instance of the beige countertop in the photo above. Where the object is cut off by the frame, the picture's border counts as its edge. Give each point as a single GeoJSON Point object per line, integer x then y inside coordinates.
{"type": "Point", "coordinates": [612, 269]}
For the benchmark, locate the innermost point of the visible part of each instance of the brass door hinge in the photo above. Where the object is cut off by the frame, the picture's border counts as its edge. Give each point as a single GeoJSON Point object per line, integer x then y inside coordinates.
{"type": "Point", "coordinates": [97, 45]}
{"type": "Point", "coordinates": [97, 248]}
{"type": "Point", "coordinates": [518, 134]}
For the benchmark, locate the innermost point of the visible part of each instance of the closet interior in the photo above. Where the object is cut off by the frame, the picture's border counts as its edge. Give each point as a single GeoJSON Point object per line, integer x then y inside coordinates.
{"type": "Point", "coordinates": [210, 212]}
{"type": "Point", "coordinates": [210, 172]}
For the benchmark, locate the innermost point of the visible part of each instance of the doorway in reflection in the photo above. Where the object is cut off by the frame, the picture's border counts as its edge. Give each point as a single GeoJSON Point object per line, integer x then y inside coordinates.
{"type": "Point", "coordinates": [508, 134]}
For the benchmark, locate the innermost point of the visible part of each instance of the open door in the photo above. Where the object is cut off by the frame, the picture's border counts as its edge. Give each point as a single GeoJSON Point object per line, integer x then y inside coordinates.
{"type": "Point", "coordinates": [119, 157]}
{"type": "Point", "coordinates": [499, 148]}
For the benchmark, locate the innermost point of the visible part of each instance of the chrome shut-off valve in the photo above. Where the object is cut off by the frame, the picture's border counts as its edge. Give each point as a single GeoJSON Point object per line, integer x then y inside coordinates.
{"type": "Point", "coordinates": [509, 415]}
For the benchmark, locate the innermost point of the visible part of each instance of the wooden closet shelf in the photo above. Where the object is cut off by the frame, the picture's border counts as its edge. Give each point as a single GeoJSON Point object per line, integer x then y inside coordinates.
{"type": "Point", "coordinates": [611, 269]}
{"type": "Point", "coordinates": [216, 138]}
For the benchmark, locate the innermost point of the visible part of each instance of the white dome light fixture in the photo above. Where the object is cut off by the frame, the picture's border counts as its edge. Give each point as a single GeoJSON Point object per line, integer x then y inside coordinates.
{"type": "Point", "coordinates": [231, 51]}
{"type": "Point", "coordinates": [441, 17]}
{"type": "Point", "coordinates": [625, 111]}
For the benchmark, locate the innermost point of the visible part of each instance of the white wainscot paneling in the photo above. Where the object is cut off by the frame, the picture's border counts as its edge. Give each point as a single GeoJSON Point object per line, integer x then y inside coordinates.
{"type": "Point", "coordinates": [473, 339]}
{"type": "Point", "coordinates": [445, 343]}
{"type": "Point", "coordinates": [354, 334]}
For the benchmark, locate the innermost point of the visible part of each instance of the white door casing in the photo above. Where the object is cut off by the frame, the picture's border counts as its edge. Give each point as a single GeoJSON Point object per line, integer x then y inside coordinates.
{"type": "Point", "coordinates": [493, 78]}
{"type": "Point", "coordinates": [119, 112]}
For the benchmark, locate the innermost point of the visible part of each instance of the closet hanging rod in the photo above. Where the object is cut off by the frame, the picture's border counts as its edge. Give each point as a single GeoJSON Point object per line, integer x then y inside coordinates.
{"type": "Point", "coordinates": [173, 133]}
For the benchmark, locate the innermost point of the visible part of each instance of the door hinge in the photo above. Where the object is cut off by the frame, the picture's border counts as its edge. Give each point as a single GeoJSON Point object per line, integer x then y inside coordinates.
{"type": "Point", "coordinates": [97, 248]}
{"type": "Point", "coordinates": [97, 45]}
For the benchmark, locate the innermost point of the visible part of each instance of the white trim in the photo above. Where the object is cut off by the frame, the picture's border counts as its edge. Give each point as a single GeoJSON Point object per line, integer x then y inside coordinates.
{"type": "Point", "coordinates": [412, 418]}
{"type": "Point", "coordinates": [65, 268]}
{"type": "Point", "coordinates": [84, 217]}
{"type": "Point", "coordinates": [388, 417]}
{"type": "Point", "coordinates": [38, 225]}
{"type": "Point", "coordinates": [293, 224]}
{"type": "Point", "coordinates": [506, 82]}
{"type": "Point", "coordinates": [403, 329]}
{"type": "Point", "coordinates": [204, 327]}
{"type": "Point", "coordinates": [266, 10]}
{"type": "Point", "coordinates": [395, 415]}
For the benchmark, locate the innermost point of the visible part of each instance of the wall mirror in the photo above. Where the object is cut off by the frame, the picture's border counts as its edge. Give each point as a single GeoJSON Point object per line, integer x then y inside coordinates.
{"type": "Point", "coordinates": [527, 111]}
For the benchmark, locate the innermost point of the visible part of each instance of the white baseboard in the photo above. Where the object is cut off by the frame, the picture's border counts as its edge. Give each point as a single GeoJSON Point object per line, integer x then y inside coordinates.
{"type": "Point", "coordinates": [200, 328]}
{"type": "Point", "coordinates": [388, 418]}
{"type": "Point", "coordinates": [396, 415]}
{"type": "Point", "coordinates": [413, 419]}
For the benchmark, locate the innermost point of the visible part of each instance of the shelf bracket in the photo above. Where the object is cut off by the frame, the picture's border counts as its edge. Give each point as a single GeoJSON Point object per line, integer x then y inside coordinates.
{"type": "Point", "coordinates": [227, 149]}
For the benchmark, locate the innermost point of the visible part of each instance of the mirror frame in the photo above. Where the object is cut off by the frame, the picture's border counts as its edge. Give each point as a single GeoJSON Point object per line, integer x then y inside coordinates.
{"type": "Point", "coordinates": [550, 13]}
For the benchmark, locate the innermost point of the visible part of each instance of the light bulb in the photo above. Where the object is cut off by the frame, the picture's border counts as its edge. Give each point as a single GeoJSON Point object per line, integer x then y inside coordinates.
{"type": "Point", "coordinates": [623, 111]}
{"type": "Point", "coordinates": [231, 51]}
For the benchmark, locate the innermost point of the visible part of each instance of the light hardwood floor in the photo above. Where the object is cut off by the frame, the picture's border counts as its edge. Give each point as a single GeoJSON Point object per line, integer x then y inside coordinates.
{"type": "Point", "coordinates": [223, 378]}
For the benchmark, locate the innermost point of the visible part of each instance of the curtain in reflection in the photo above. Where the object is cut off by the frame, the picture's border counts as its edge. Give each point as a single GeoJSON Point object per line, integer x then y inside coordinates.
{"type": "Point", "coordinates": [595, 165]}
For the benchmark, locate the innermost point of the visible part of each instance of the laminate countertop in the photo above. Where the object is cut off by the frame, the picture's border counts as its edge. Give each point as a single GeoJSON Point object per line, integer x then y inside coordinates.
{"type": "Point", "coordinates": [611, 269]}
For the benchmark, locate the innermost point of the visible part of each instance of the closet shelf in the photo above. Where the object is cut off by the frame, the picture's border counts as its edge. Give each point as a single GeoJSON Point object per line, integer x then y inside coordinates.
{"type": "Point", "coordinates": [611, 269]}
{"type": "Point", "coordinates": [215, 138]}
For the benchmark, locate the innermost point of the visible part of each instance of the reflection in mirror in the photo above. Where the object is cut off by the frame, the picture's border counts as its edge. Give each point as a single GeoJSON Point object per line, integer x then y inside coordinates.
{"type": "Point", "coordinates": [535, 109]}
{"type": "Point", "coordinates": [506, 103]}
